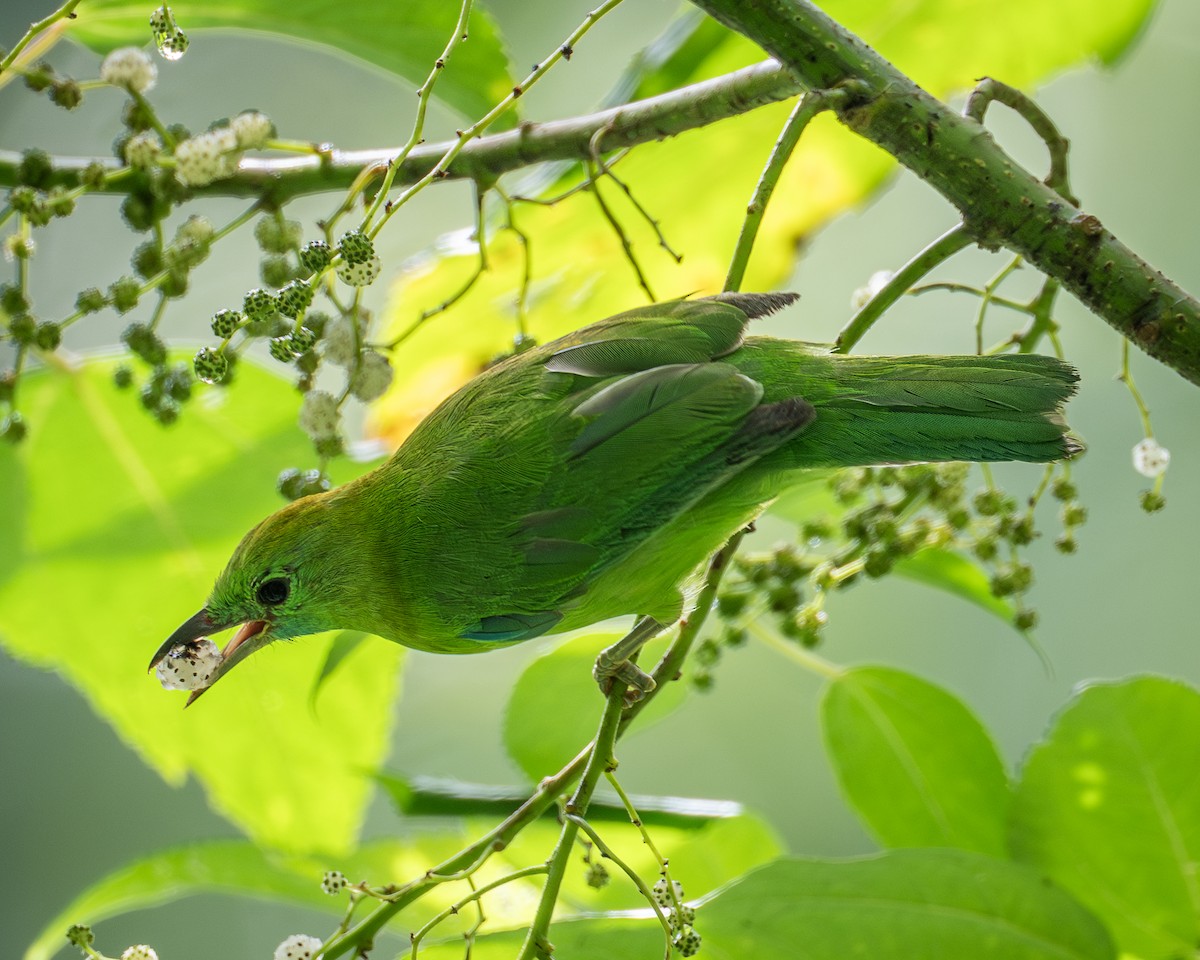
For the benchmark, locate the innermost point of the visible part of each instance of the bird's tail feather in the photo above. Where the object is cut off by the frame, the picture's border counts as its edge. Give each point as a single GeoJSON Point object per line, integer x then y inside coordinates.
{"type": "Point", "coordinates": [878, 410]}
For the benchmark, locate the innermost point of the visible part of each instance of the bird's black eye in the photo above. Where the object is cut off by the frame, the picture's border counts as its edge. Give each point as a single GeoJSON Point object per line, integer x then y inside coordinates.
{"type": "Point", "coordinates": [273, 591]}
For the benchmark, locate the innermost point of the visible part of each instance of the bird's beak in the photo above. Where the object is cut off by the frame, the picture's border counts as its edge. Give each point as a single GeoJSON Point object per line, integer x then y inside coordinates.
{"type": "Point", "coordinates": [251, 636]}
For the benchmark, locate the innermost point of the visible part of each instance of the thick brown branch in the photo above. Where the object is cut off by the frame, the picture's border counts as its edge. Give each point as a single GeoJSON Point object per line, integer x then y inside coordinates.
{"type": "Point", "coordinates": [654, 118]}
{"type": "Point", "coordinates": [1002, 204]}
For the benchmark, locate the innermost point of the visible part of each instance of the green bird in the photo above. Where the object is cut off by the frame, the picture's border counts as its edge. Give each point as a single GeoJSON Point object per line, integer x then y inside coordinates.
{"type": "Point", "coordinates": [594, 476]}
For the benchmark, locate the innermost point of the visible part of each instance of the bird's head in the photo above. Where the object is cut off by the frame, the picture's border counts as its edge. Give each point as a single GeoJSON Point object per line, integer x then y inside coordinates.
{"type": "Point", "coordinates": [285, 579]}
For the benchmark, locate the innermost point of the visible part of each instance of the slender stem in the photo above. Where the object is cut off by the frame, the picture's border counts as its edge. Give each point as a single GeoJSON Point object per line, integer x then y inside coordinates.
{"type": "Point", "coordinates": [442, 167]}
{"type": "Point", "coordinates": [65, 12]}
{"type": "Point", "coordinates": [985, 299]}
{"type": "Point", "coordinates": [955, 287]}
{"type": "Point", "coordinates": [629, 871]}
{"type": "Point", "coordinates": [472, 897]}
{"type": "Point", "coordinates": [990, 89]}
{"type": "Point", "coordinates": [802, 114]}
{"type": "Point", "coordinates": [622, 236]}
{"type": "Point", "coordinates": [1126, 377]}
{"type": "Point", "coordinates": [423, 95]}
{"type": "Point", "coordinates": [794, 652]}
{"type": "Point", "coordinates": [484, 158]}
{"type": "Point", "coordinates": [942, 249]}
{"type": "Point", "coordinates": [600, 758]}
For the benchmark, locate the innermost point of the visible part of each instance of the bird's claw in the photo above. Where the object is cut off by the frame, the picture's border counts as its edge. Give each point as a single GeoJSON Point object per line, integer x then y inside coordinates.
{"type": "Point", "coordinates": [607, 671]}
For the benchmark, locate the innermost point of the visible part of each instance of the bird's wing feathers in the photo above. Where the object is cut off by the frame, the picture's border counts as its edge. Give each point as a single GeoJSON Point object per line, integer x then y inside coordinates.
{"type": "Point", "coordinates": [651, 430]}
{"type": "Point", "coordinates": [678, 331]}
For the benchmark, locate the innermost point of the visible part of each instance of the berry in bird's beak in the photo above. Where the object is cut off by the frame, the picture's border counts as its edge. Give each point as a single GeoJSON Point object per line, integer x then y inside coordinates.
{"type": "Point", "coordinates": [188, 660]}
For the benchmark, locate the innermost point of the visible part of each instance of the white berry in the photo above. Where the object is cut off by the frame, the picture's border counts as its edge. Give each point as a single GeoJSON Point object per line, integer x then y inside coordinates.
{"type": "Point", "coordinates": [662, 895]}
{"type": "Point", "coordinates": [373, 377]}
{"type": "Point", "coordinates": [252, 129]}
{"type": "Point", "coordinates": [1150, 458]}
{"type": "Point", "coordinates": [340, 343]}
{"type": "Point", "coordinates": [130, 68]}
{"type": "Point", "coordinates": [298, 946]}
{"type": "Point", "coordinates": [877, 281]}
{"type": "Point", "coordinates": [206, 157]}
{"type": "Point", "coordinates": [319, 416]}
{"type": "Point", "coordinates": [143, 149]}
{"type": "Point", "coordinates": [359, 274]}
{"type": "Point", "coordinates": [333, 881]}
{"type": "Point", "coordinates": [189, 666]}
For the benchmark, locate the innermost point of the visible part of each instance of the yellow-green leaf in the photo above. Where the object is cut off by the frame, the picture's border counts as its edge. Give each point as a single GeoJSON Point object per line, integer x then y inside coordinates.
{"type": "Point", "coordinates": [119, 527]}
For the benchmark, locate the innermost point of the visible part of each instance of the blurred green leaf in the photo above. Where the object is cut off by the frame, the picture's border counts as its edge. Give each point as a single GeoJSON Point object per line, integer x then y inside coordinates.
{"type": "Point", "coordinates": [705, 858]}
{"type": "Point", "coordinates": [1108, 804]}
{"type": "Point", "coordinates": [902, 905]}
{"type": "Point", "coordinates": [132, 522]}
{"type": "Point", "coordinates": [231, 866]}
{"type": "Point", "coordinates": [914, 762]}
{"type": "Point", "coordinates": [603, 938]}
{"type": "Point", "coordinates": [437, 797]}
{"type": "Point", "coordinates": [344, 643]}
{"type": "Point", "coordinates": [555, 705]}
{"type": "Point", "coordinates": [404, 39]}
{"type": "Point", "coordinates": [955, 574]}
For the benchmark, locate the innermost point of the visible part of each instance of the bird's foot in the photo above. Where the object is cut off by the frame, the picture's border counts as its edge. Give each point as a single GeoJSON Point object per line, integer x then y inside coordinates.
{"type": "Point", "coordinates": [608, 670]}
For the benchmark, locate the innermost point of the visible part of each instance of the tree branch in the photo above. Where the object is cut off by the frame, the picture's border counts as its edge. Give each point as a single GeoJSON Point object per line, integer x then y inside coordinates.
{"type": "Point", "coordinates": [1002, 204]}
{"type": "Point", "coordinates": [484, 159]}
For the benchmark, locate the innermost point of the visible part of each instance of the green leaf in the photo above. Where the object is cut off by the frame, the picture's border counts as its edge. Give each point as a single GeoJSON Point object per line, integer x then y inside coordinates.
{"type": "Point", "coordinates": [592, 939]}
{"type": "Point", "coordinates": [903, 905]}
{"type": "Point", "coordinates": [956, 574]}
{"type": "Point", "coordinates": [1109, 805]}
{"type": "Point", "coordinates": [555, 704]}
{"type": "Point", "coordinates": [705, 856]}
{"type": "Point", "coordinates": [344, 644]}
{"type": "Point", "coordinates": [423, 796]}
{"type": "Point", "coordinates": [133, 521]}
{"type": "Point", "coordinates": [404, 39]}
{"type": "Point", "coordinates": [914, 762]}
{"type": "Point", "coordinates": [230, 866]}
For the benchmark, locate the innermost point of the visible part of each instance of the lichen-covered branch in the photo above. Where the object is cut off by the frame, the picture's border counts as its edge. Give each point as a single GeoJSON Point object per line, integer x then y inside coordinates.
{"type": "Point", "coordinates": [1002, 204]}
{"type": "Point", "coordinates": [484, 159]}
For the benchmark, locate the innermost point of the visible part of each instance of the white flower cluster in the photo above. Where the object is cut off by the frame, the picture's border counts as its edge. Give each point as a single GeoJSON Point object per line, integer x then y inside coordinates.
{"type": "Point", "coordinates": [130, 68]}
{"type": "Point", "coordinates": [360, 274]}
{"type": "Point", "coordinates": [206, 157]}
{"type": "Point", "coordinates": [141, 150]}
{"type": "Point", "coordinates": [372, 378]}
{"type": "Point", "coordinates": [298, 946]}
{"type": "Point", "coordinates": [189, 666]}
{"type": "Point", "coordinates": [876, 282]}
{"type": "Point", "coordinates": [139, 951]}
{"type": "Point", "coordinates": [319, 416]}
{"type": "Point", "coordinates": [1150, 458]}
{"type": "Point", "coordinates": [252, 129]}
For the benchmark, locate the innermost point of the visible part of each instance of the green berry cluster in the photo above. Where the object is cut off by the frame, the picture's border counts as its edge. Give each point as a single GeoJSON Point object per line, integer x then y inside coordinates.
{"type": "Point", "coordinates": [680, 916]}
{"type": "Point", "coordinates": [887, 515]}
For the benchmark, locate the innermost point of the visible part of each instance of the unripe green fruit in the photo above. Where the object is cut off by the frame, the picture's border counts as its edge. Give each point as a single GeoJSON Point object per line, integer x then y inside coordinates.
{"type": "Point", "coordinates": [225, 323]}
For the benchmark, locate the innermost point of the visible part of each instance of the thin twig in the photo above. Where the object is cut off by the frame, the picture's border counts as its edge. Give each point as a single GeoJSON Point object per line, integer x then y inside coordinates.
{"type": "Point", "coordinates": [802, 114]}
{"type": "Point", "coordinates": [942, 249]}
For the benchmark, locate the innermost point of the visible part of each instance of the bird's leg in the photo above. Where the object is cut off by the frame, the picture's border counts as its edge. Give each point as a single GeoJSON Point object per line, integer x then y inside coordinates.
{"type": "Point", "coordinates": [614, 662]}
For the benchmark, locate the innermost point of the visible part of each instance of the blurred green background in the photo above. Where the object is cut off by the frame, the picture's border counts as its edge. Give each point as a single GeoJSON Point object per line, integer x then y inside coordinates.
{"type": "Point", "coordinates": [75, 803]}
